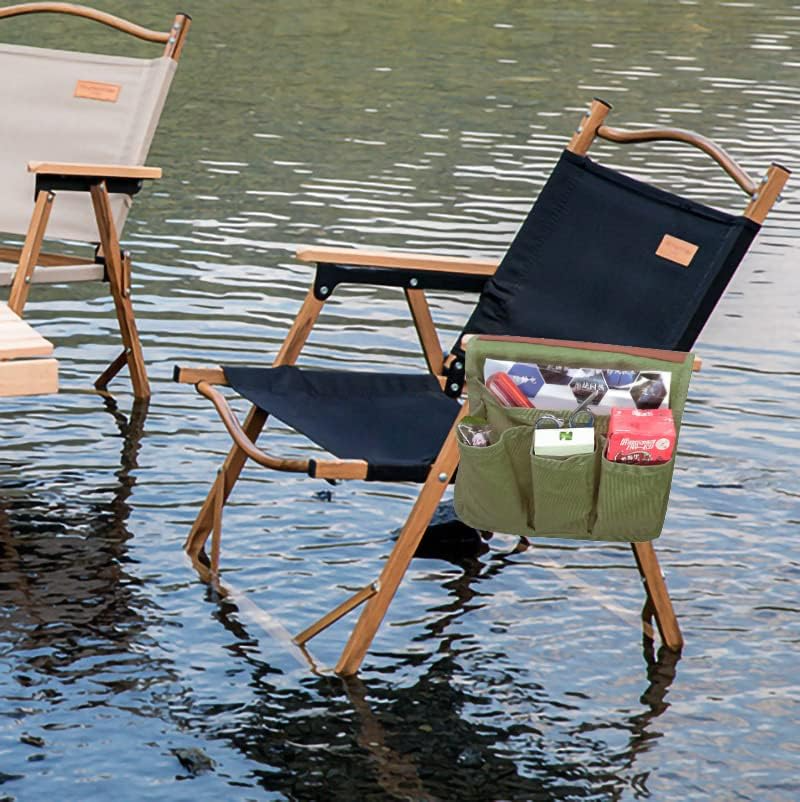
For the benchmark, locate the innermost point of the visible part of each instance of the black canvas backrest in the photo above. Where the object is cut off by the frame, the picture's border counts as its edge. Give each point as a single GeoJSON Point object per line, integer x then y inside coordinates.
{"type": "Point", "coordinates": [584, 265]}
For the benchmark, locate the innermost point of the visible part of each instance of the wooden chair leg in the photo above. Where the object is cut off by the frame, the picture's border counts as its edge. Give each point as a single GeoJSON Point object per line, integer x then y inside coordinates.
{"type": "Point", "coordinates": [30, 252]}
{"type": "Point", "coordinates": [396, 565]}
{"type": "Point", "coordinates": [111, 371]}
{"type": "Point", "coordinates": [216, 531]}
{"type": "Point", "coordinates": [298, 334]}
{"type": "Point", "coordinates": [657, 594]}
{"type": "Point", "coordinates": [253, 426]}
{"type": "Point", "coordinates": [118, 268]}
{"type": "Point", "coordinates": [231, 468]}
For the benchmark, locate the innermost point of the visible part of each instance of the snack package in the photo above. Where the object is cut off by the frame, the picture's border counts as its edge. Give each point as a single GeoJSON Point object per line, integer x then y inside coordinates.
{"type": "Point", "coordinates": [641, 436]}
{"type": "Point", "coordinates": [563, 442]}
{"type": "Point", "coordinates": [560, 387]}
{"type": "Point", "coordinates": [475, 434]}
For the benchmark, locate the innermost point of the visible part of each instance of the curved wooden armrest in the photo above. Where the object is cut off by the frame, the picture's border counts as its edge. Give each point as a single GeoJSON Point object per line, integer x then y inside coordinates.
{"type": "Point", "coordinates": [242, 440]}
{"type": "Point", "coordinates": [322, 469]}
{"type": "Point", "coordinates": [94, 170]}
{"type": "Point", "coordinates": [720, 156]}
{"type": "Point", "coordinates": [89, 13]}
{"type": "Point", "coordinates": [407, 260]}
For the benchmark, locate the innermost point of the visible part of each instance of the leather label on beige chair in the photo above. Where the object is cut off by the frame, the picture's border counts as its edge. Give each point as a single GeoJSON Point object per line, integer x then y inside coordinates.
{"type": "Point", "coordinates": [96, 90]}
{"type": "Point", "coordinates": [676, 250]}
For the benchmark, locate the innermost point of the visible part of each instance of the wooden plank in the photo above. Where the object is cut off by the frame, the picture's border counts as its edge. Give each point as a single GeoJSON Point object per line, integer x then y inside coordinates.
{"type": "Point", "coordinates": [24, 376]}
{"type": "Point", "coordinates": [45, 259]}
{"type": "Point", "coordinates": [28, 377]}
{"type": "Point", "coordinates": [19, 345]}
{"type": "Point", "coordinates": [398, 259]}
{"type": "Point", "coordinates": [18, 339]}
{"type": "Point", "coordinates": [94, 170]}
{"type": "Point", "coordinates": [61, 274]}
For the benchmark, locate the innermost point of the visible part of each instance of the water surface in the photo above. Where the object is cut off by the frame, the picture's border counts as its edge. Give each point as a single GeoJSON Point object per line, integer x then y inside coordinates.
{"type": "Point", "coordinates": [508, 675]}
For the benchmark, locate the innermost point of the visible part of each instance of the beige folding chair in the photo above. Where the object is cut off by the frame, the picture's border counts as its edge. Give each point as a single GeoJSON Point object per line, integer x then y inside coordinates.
{"type": "Point", "coordinates": [78, 124]}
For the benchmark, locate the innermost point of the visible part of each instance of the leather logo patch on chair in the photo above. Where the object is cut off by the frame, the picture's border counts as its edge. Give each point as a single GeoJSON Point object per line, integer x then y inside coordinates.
{"type": "Point", "coordinates": [676, 250]}
{"type": "Point", "coordinates": [97, 90]}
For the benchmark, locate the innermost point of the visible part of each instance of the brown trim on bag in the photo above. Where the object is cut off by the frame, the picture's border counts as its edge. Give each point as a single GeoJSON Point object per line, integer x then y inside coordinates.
{"type": "Point", "coordinates": [647, 353]}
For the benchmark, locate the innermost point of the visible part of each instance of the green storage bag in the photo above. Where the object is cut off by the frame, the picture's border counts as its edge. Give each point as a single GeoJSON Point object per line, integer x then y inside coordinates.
{"type": "Point", "coordinates": [505, 487]}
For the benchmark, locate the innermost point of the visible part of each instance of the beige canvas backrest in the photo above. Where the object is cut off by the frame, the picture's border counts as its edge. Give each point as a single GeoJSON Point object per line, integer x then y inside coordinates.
{"type": "Point", "coordinates": [63, 106]}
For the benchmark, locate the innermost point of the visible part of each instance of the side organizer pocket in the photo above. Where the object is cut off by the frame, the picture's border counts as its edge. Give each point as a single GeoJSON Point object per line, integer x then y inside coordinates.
{"type": "Point", "coordinates": [632, 500]}
{"type": "Point", "coordinates": [493, 482]}
{"type": "Point", "coordinates": [563, 491]}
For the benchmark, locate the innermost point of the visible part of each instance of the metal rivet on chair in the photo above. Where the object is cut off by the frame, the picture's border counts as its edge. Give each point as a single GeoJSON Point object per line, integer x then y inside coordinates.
{"type": "Point", "coordinates": [458, 366]}
{"type": "Point", "coordinates": [442, 477]}
{"type": "Point", "coordinates": [323, 290]}
{"type": "Point", "coordinates": [413, 282]}
{"type": "Point", "coordinates": [454, 387]}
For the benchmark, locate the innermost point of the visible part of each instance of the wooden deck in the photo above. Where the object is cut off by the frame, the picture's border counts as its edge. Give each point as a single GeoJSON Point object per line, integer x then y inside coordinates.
{"type": "Point", "coordinates": [25, 368]}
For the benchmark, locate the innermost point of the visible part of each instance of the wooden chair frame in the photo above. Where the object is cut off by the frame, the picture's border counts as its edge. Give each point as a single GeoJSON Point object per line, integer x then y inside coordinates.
{"type": "Point", "coordinates": [99, 181]}
{"type": "Point", "coordinates": [412, 268]}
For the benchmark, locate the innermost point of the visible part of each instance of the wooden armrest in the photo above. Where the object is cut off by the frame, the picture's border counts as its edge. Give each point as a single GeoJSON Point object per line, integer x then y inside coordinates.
{"type": "Point", "coordinates": [94, 170]}
{"type": "Point", "coordinates": [185, 375]}
{"type": "Point", "coordinates": [398, 259]}
{"type": "Point", "coordinates": [203, 378]}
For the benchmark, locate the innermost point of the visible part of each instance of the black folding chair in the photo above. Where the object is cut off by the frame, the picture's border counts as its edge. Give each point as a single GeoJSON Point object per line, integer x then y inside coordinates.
{"type": "Point", "coordinates": [600, 258]}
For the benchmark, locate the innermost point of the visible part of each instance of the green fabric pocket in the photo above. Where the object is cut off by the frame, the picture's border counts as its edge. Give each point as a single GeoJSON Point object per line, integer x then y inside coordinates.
{"type": "Point", "coordinates": [493, 485]}
{"type": "Point", "coordinates": [563, 490]}
{"type": "Point", "coordinates": [632, 500]}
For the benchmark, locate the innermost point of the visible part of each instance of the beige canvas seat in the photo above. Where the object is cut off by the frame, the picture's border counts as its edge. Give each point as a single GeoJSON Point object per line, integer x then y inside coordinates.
{"type": "Point", "coordinates": [77, 129]}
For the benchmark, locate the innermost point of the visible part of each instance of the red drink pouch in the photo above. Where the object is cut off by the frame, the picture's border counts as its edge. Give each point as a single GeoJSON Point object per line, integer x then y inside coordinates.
{"type": "Point", "coordinates": [505, 390]}
{"type": "Point", "coordinates": [641, 436]}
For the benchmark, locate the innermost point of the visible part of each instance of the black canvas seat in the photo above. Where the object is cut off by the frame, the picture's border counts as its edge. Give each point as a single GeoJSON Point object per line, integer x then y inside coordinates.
{"type": "Point", "coordinates": [394, 422]}
{"type": "Point", "coordinates": [602, 258]}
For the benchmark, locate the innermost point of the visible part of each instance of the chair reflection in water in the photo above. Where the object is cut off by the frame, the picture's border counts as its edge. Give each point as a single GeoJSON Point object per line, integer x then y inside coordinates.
{"type": "Point", "coordinates": [431, 738]}
{"type": "Point", "coordinates": [601, 258]}
{"type": "Point", "coordinates": [67, 591]}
